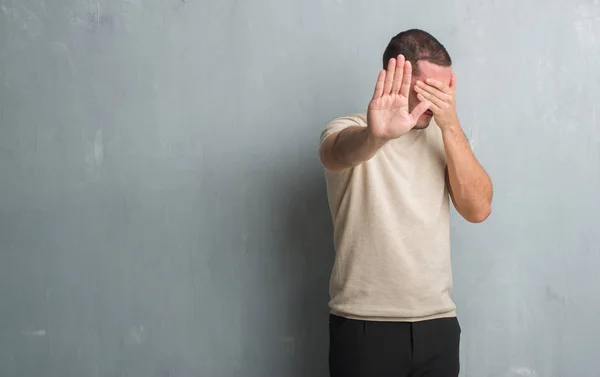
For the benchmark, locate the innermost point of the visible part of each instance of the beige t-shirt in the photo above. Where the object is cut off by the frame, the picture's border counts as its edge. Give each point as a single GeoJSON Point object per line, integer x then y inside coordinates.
{"type": "Point", "coordinates": [391, 230]}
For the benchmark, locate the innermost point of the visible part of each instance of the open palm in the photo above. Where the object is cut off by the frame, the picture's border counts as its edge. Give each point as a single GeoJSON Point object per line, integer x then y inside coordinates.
{"type": "Point", "coordinates": [388, 115]}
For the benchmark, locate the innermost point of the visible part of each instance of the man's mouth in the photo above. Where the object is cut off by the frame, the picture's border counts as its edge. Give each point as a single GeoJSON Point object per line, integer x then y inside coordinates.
{"type": "Point", "coordinates": [429, 113]}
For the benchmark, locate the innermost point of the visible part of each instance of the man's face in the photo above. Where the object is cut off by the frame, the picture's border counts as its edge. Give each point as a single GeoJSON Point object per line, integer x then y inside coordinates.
{"type": "Point", "coordinates": [427, 70]}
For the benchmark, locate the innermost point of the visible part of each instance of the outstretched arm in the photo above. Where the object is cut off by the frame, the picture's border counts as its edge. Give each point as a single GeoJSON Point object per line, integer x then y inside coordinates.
{"type": "Point", "coordinates": [387, 118]}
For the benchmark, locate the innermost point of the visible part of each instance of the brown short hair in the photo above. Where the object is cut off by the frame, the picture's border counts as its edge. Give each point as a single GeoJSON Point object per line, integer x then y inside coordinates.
{"type": "Point", "coordinates": [417, 45]}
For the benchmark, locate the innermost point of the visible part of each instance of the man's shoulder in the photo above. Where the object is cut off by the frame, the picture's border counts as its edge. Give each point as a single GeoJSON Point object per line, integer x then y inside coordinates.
{"type": "Point", "coordinates": [343, 122]}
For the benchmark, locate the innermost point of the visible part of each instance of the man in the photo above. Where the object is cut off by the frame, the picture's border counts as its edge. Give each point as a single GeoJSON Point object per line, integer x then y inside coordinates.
{"type": "Point", "coordinates": [390, 173]}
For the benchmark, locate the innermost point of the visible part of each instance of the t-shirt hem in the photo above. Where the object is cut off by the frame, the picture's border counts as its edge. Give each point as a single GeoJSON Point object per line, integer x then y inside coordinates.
{"type": "Point", "coordinates": [376, 318]}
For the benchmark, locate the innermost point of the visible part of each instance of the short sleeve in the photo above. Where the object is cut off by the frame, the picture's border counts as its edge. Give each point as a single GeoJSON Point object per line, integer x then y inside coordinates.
{"type": "Point", "coordinates": [342, 123]}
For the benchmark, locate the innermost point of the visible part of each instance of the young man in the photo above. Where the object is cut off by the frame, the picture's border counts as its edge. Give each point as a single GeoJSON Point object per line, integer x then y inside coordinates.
{"type": "Point", "coordinates": [390, 173]}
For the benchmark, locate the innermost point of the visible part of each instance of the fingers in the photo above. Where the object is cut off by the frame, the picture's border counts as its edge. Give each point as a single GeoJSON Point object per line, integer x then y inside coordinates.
{"type": "Point", "coordinates": [398, 75]}
{"type": "Point", "coordinates": [397, 78]}
{"type": "Point", "coordinates": [406, 81]}
{"type": "Point", "coordinates": [436, 104]}
{"type": "Point", "coordinates": [420, 109]}
{"type": "Point", "coordinates": [440, 86]}
{"type": "Point", "coordinates": [426, 90]}
{"type": "Point", "coordinates": [379, 86]}
{"type": "Point", "coordinates": [389, 76]}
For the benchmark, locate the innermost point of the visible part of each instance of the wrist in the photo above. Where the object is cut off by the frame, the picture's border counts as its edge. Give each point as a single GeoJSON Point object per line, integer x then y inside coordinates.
{"type": "Point", "coordinates": [450, 127]}
{"type": "Point", "coordinates": [373, 140]}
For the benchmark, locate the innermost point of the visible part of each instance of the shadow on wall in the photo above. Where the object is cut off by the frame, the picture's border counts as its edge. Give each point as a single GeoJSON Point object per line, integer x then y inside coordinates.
{"type": "Point", "coordinates": [287, 323]}
{"type": "Point", "coordinates": [304, 237]}
{"type": "Point", "coordinates": [302, 221]}
{"type": "Point", "coordinates": [277, 296]}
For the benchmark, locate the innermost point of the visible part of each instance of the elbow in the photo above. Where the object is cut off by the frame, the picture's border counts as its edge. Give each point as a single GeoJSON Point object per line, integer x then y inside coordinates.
{"type": "Point", "coordinates": [479, 215]}
{"type": "Point", "coordinates": [327, 161]}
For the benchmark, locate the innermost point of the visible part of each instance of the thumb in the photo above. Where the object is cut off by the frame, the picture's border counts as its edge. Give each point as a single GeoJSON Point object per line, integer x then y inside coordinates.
{"type": "Point", "coordinates": [420, 109]}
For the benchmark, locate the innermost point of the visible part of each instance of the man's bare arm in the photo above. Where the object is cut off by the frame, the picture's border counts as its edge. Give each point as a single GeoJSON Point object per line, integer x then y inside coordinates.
{"type": "Point", "coordinates": [469, 185]}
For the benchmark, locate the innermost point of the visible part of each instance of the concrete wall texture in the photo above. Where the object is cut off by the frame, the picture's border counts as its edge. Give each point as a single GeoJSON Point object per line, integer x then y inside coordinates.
{"type": "Point", "coordinates": [163, 211]}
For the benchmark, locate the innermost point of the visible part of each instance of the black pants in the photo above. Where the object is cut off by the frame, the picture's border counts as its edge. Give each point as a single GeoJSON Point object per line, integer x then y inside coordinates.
{"type": "Point", "coordinates": [393, 349]}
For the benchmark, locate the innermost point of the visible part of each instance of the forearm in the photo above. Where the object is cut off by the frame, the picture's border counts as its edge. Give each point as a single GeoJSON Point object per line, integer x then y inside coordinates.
{"type": "Point", "coordinates": [349, 148]}
{"type": "Point", "coordinates": [470, 185]}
